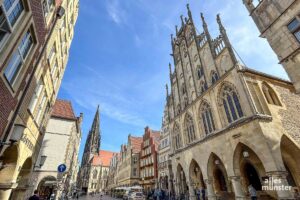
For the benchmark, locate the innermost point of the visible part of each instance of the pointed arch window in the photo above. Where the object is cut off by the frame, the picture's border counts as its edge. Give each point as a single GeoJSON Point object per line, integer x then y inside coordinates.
{"type": "Point", "coordinates": [177, 137]}
{"type": "Point", "coordinates": [231, 103]}
{"type": "Point", "coordinates": [200, 71]}
{"type": "Point", "coordinates": [190, 129]}
{"type": "Point", "coordinates": [95, 173]}
{"type": "Point", "coordinates": [203, 87]}
{"type": "Point", "coordinates": [270, 95]}
{"type": "Point", "coordinates": [214, 77]}
{"type": "Point", "coordinates": [183, 89]}
{"type": "Point", "coordinates": [207, 118]}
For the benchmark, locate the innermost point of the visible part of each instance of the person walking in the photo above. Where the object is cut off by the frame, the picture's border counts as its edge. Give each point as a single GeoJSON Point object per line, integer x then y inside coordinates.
{"type": "Point", "coordinates": [35, 196]}
{"type": "Point", "coordinates": [296, 194]}
{"type": "Point", "coordinates": [203, 192]}
{"type": "Point", "coordinates": [252, 192]}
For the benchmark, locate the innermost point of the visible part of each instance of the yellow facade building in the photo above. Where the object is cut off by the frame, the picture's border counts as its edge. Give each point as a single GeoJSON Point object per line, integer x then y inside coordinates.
{"type": "Point", "coordinates": [19, 159]}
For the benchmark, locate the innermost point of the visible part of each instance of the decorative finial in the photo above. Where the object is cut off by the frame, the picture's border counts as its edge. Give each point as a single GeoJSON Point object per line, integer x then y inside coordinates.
{"type": "Point", "coordinates": [188, 7]}
{"type": "Point", "coordinates": [220, 23]}
{"type": "Point", "coordinates": [167, 90]}
{"type": "Point", "coordinates": [182, 22]}
{"type": "Point", "coordinates": [170, 68]}
{"type": "Point", "coordinates": [176, 27]}
{"type": "Point", "coordinates": [203, 20]}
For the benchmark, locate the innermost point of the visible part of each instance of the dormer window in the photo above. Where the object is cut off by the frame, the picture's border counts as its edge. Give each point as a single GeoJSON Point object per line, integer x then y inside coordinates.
{"type": "Point", "coordinates": [294, 27]}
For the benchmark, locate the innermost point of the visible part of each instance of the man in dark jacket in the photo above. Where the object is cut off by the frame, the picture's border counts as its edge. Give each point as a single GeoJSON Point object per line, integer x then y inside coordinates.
{"type": "Point", "coordinates": [35, 196]}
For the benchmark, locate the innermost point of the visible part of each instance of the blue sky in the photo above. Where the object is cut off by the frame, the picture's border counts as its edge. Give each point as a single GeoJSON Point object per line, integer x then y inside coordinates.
{"type": "Point", "coordinates": [120, 54]}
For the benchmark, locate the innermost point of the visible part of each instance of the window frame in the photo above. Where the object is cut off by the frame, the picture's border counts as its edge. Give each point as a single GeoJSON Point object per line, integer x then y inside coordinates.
{"type": "Point", "coordinates": [296, 29]}
{"type": "Point", "coordinates": [17, 54]}
{"type": "Point", "coordinates": [11, 27]}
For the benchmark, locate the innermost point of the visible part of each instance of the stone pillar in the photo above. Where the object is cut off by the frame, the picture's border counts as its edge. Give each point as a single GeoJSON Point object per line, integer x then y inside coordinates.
{"type": "Point", "coordinates": [277, 182]}
{"type": "Point", "coordinates": [5, 193]}
{"type": "Point", "coordinates": [191, 191]}
{"type": "Point", "coordinates": [237, 188]}
{"type": "Point", "coordinates": [210, 189]}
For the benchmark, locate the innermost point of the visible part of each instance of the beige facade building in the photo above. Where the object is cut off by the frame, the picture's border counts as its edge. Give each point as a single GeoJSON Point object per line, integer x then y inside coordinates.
{"type": "Point", "coordinates": [279, 22]}
{"type": "Point", "coordinates": [113, 172]}
{"type": "Point", "coordinates": [164, 150]}
{"type": "Point", "coordinates": [230, 126]}
{"type": "Point", "coordinates": [60, 146]}
{"type": "Point", "coordinates": [100, 171]}
{"type": "Point", "coordinates": [128, 165]}
{"type": "Point", "coordinates": [30, 118]}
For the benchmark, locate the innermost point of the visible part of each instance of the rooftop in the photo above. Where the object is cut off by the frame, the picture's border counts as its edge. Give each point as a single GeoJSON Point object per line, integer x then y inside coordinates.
{"type": "Point", "coordinates": [103, 158]}
{"type": "Point", "coordinates": [63, 109]}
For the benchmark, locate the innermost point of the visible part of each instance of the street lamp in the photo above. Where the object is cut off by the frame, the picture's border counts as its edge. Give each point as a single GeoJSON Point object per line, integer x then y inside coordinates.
{"type": "Point", "coordinates": [42, 162]}
{"type": "Point", "coordinates": [16, 135]}
{"type": "Point", "coordinates": [245, 154]}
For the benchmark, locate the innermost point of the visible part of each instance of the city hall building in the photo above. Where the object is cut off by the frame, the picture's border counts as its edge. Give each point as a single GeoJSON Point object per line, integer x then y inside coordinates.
{"type": "Point", "coordinates": [231, 126]}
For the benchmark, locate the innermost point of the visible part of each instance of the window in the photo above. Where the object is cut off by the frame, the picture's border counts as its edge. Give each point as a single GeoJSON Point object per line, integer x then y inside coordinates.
{"type": "Point", "coordinates": [203, 86]}
{"type": "Point", "coordinates": [37, 92]}
{"type": "Point", "coordinates": [56, 81]}
{"type": "Point", "coordinates": [48, 6]}
{"type": "Point", "coordinates": [189, 129]}
{"type": "Point", "coordinates": [95, 173]}
{"type": "Point", "coordinates": [177, 138]}
{"type": "Point", "coordinates": [183, 89]}
{"type": "Point", "coordinates": [207, 118]}
{"type": "Point", "coordinates": [294, 27]}
{"type": "Point", "coordinates": [231, 104]}
{"type": "Point", "coordinates": [214, 77]}
{"type": "Point", "coordinates": [270, 95]}
{"type": "Point", "coordinates": [200, 72]}
{"type": "Point", "coordinates": [41, 108]}
{"type": "Point", "coordinates": [52, 53]}
{"type": "Point", "coordinates": [12, 11]}
{"type": "Point", "coordinates": [18, 58]}
{"type": "Point", "coordinates": [134, 172]}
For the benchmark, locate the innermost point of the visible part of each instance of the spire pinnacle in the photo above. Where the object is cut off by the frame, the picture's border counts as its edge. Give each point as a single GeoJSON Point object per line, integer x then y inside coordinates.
{"type": "Point", "coordinates": [176, 27]}
{"type": "Point", "coordinates": [189, 11]}
{"type": "Point", "coordinates": [182, 22]}
{"type": "Point", "coordinates": [203, 20]}
{"type": "Point", "coordinates": [167, 90]}
{"type": "Point", "coordinates": [170, 68]}
{"type": "Point", "coordinates": [221, 27]}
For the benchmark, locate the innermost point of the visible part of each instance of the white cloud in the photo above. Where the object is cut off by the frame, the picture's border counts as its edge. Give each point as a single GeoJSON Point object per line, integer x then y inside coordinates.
{"type": "Point", "coordinates": [117, 14]}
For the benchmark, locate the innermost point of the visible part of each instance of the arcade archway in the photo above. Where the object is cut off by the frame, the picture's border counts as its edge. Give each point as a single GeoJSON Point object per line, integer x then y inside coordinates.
{"type": "Point", "coordinates": [7, 171]}
{"type": "Point", "coordinates": [196, 176]}
{"type": "Point", "coordinates": [23, 182]}
{"type": "Point", "coordinates": [47, 186]}
{"type": "Point", "coordinates": [181, 181]}
{"type": "Point", "coordinates": [217, 172]}
{"type": "Point", "coordinates": [291, 159]}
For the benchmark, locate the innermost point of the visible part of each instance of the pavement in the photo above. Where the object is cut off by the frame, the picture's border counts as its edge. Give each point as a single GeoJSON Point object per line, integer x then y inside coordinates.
{"type": "Point", "coordinates": [96, 197]}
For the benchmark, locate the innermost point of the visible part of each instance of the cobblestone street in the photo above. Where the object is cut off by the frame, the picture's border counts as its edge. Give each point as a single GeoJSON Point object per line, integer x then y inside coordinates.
{"type": "Point", "coordinates": [96, 197]}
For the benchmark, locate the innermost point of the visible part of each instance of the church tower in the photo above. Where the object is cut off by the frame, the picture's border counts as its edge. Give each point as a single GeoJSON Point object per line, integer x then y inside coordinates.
{"type": "Point", "coordinates": [92, 148]}
{"type": "Point", "coordinates": [279, 22]}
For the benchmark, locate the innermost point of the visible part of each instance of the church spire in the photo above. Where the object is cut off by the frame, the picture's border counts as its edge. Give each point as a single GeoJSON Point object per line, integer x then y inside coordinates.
{"type": "Point", "coordinates": [94, 134]}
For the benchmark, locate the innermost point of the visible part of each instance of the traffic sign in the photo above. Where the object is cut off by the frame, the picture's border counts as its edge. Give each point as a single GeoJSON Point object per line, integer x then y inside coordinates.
{"type": "Point", "coordinates": [61, 168]}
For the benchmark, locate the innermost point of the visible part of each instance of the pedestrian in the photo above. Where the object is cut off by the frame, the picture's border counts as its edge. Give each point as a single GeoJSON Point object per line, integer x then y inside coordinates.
{"type": "Point", "coordinates": [203, 193]}
{"type": "Point", "coordinates": [252, 192]}
{"type": "Point", "coordinates": [77, 196]}
{"type": "Point", "coordinates": [296, 194]}
{"type": "Point", "coordinates": [35, 195]}
{"type": "Point", "coordinates": [198, 193]}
